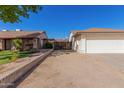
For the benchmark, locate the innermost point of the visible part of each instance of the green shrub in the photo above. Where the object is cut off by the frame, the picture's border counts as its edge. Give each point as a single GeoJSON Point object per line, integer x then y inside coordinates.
{"type": "Point", "coordinates": [48, 45]}
{"type": "Point", "coordinates": [15, 55]}
{"type": "Point", "coordinates": [17, 43]}
{"type": "Point", "coordinates": [33, 50]}
{"type": "Point", "coordinates": [4, 61]}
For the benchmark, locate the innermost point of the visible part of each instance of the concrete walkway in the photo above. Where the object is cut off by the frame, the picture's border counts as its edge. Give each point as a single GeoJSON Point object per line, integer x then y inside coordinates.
{"type": "Point", "coordinates": [69, 69]}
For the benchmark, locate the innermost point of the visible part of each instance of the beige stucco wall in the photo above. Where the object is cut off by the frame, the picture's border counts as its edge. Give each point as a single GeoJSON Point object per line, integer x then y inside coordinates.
{"type": "Point", "coordinates": [79, 43]}
{"type": "Point", "coordinates": [27, 44]}
{"type": "Point", "coordinates": [75, 43]}
{"type": "Point", "coordinates": [82, 44]}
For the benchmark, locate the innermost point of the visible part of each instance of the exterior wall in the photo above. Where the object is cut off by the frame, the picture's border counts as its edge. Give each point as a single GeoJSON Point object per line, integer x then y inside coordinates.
{"type": "Point", "coordinates": [36, 43]}
{"type": "Point", "coordinates": [79, 43]}
{"type": "Point", "coordinates": [40, 41]}
{"type": "Point", "coordinates": [75, 43]}
{"type": "Point", "coordinates": [82, 44]}
{"type": "Point", "coordinates": [5, 44]}
{"type": "Point", "coordinates": [70, 37]}
{"type": "Point", "coordinates": [27, 44]}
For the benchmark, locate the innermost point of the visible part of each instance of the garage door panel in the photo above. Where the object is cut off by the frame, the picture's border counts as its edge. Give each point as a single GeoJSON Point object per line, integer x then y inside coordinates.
{"type": "Point", "coordinates": [104, 46]}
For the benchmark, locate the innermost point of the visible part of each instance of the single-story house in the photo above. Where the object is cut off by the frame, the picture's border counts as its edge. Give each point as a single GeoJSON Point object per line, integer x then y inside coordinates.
{"type": "Point", "coordinates": [97, 40]}
{"type": "Point", "coordinates": [30, 39]}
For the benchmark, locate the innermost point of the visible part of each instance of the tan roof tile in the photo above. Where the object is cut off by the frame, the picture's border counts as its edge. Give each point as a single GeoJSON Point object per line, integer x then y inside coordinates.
{"type": "Point", "coordinates": [19, 34]}
{"type": "Point", "coordinates": [98, 30]}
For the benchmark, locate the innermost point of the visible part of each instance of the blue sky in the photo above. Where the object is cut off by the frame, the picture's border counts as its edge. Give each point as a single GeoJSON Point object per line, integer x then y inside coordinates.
{"type": "Point", "coordinates": [58, 21]}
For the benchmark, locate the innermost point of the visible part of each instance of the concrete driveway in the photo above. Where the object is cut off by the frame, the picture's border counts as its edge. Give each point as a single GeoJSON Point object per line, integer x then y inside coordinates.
{"type": "Point", "coordinates": [70, 69]}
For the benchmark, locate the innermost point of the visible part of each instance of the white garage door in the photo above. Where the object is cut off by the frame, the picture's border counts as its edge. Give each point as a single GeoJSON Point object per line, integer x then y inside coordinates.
{"type": "Point", "coordinates": [104, 44]}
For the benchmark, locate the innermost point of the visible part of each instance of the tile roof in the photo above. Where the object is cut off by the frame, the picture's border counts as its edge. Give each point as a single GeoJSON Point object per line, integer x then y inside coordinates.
{"type": "Point", "coordinates": [98, 30]}
{"type": "Point", "coordinates": [19, 34]}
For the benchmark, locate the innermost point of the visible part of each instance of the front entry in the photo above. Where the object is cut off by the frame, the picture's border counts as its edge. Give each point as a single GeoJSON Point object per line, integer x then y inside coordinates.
{"type": "Point", "coordinates": [7, 44]}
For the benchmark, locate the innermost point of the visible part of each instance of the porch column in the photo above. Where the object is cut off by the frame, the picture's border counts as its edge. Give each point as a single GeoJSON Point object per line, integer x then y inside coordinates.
{"type": "Point", "coordinates": [35, 43]}
{"type": "Point", "coordinates": [1, 44]}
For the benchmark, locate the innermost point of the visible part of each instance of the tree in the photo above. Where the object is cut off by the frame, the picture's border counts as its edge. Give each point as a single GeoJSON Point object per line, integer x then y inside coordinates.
{"type": "Point", "coordinates": [17, 43]}
{"type": "Point", "coordinates": [12, 13]}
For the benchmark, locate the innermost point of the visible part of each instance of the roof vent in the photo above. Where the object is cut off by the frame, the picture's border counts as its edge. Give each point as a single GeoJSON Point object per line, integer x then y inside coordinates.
{"type": "Point", "coordinates": [4, 30]}
{"type": "Point", "coordinates": [18, 30]}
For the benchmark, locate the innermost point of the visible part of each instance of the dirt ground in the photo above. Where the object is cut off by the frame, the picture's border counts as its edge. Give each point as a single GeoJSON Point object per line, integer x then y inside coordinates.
{"type": "Point", "coordinates": [64, 69]}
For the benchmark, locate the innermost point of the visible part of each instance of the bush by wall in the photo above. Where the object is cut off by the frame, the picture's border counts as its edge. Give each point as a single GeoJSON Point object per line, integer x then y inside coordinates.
{"type": "Point", "coordinates": [48, 45]}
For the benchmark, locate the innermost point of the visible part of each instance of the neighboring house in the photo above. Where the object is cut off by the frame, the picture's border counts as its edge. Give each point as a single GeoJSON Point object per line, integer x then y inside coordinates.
{"type": "Point", "coordinates": [98, 40]}
{"type": "Point", "coordinates": [29, 39]}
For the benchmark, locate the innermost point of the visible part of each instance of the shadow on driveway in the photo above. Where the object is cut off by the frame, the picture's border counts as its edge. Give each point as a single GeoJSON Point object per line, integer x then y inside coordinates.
{"type": "Point", "coordinates": [61, 52]}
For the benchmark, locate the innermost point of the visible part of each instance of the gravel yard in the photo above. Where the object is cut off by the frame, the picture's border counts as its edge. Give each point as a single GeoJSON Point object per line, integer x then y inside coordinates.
{"type": "Point", "coordinates": [70, 69]}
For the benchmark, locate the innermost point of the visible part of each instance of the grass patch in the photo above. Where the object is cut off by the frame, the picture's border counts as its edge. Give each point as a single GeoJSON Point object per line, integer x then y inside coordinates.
{"type": "Point", "coordinates": [8, 56]}
{"type": "Point", "coordinates": [4, 61]}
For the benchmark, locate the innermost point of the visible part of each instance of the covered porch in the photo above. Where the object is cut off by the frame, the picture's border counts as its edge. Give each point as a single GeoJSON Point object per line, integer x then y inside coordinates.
{"type": "Point", "coordinates": [27, 44]}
